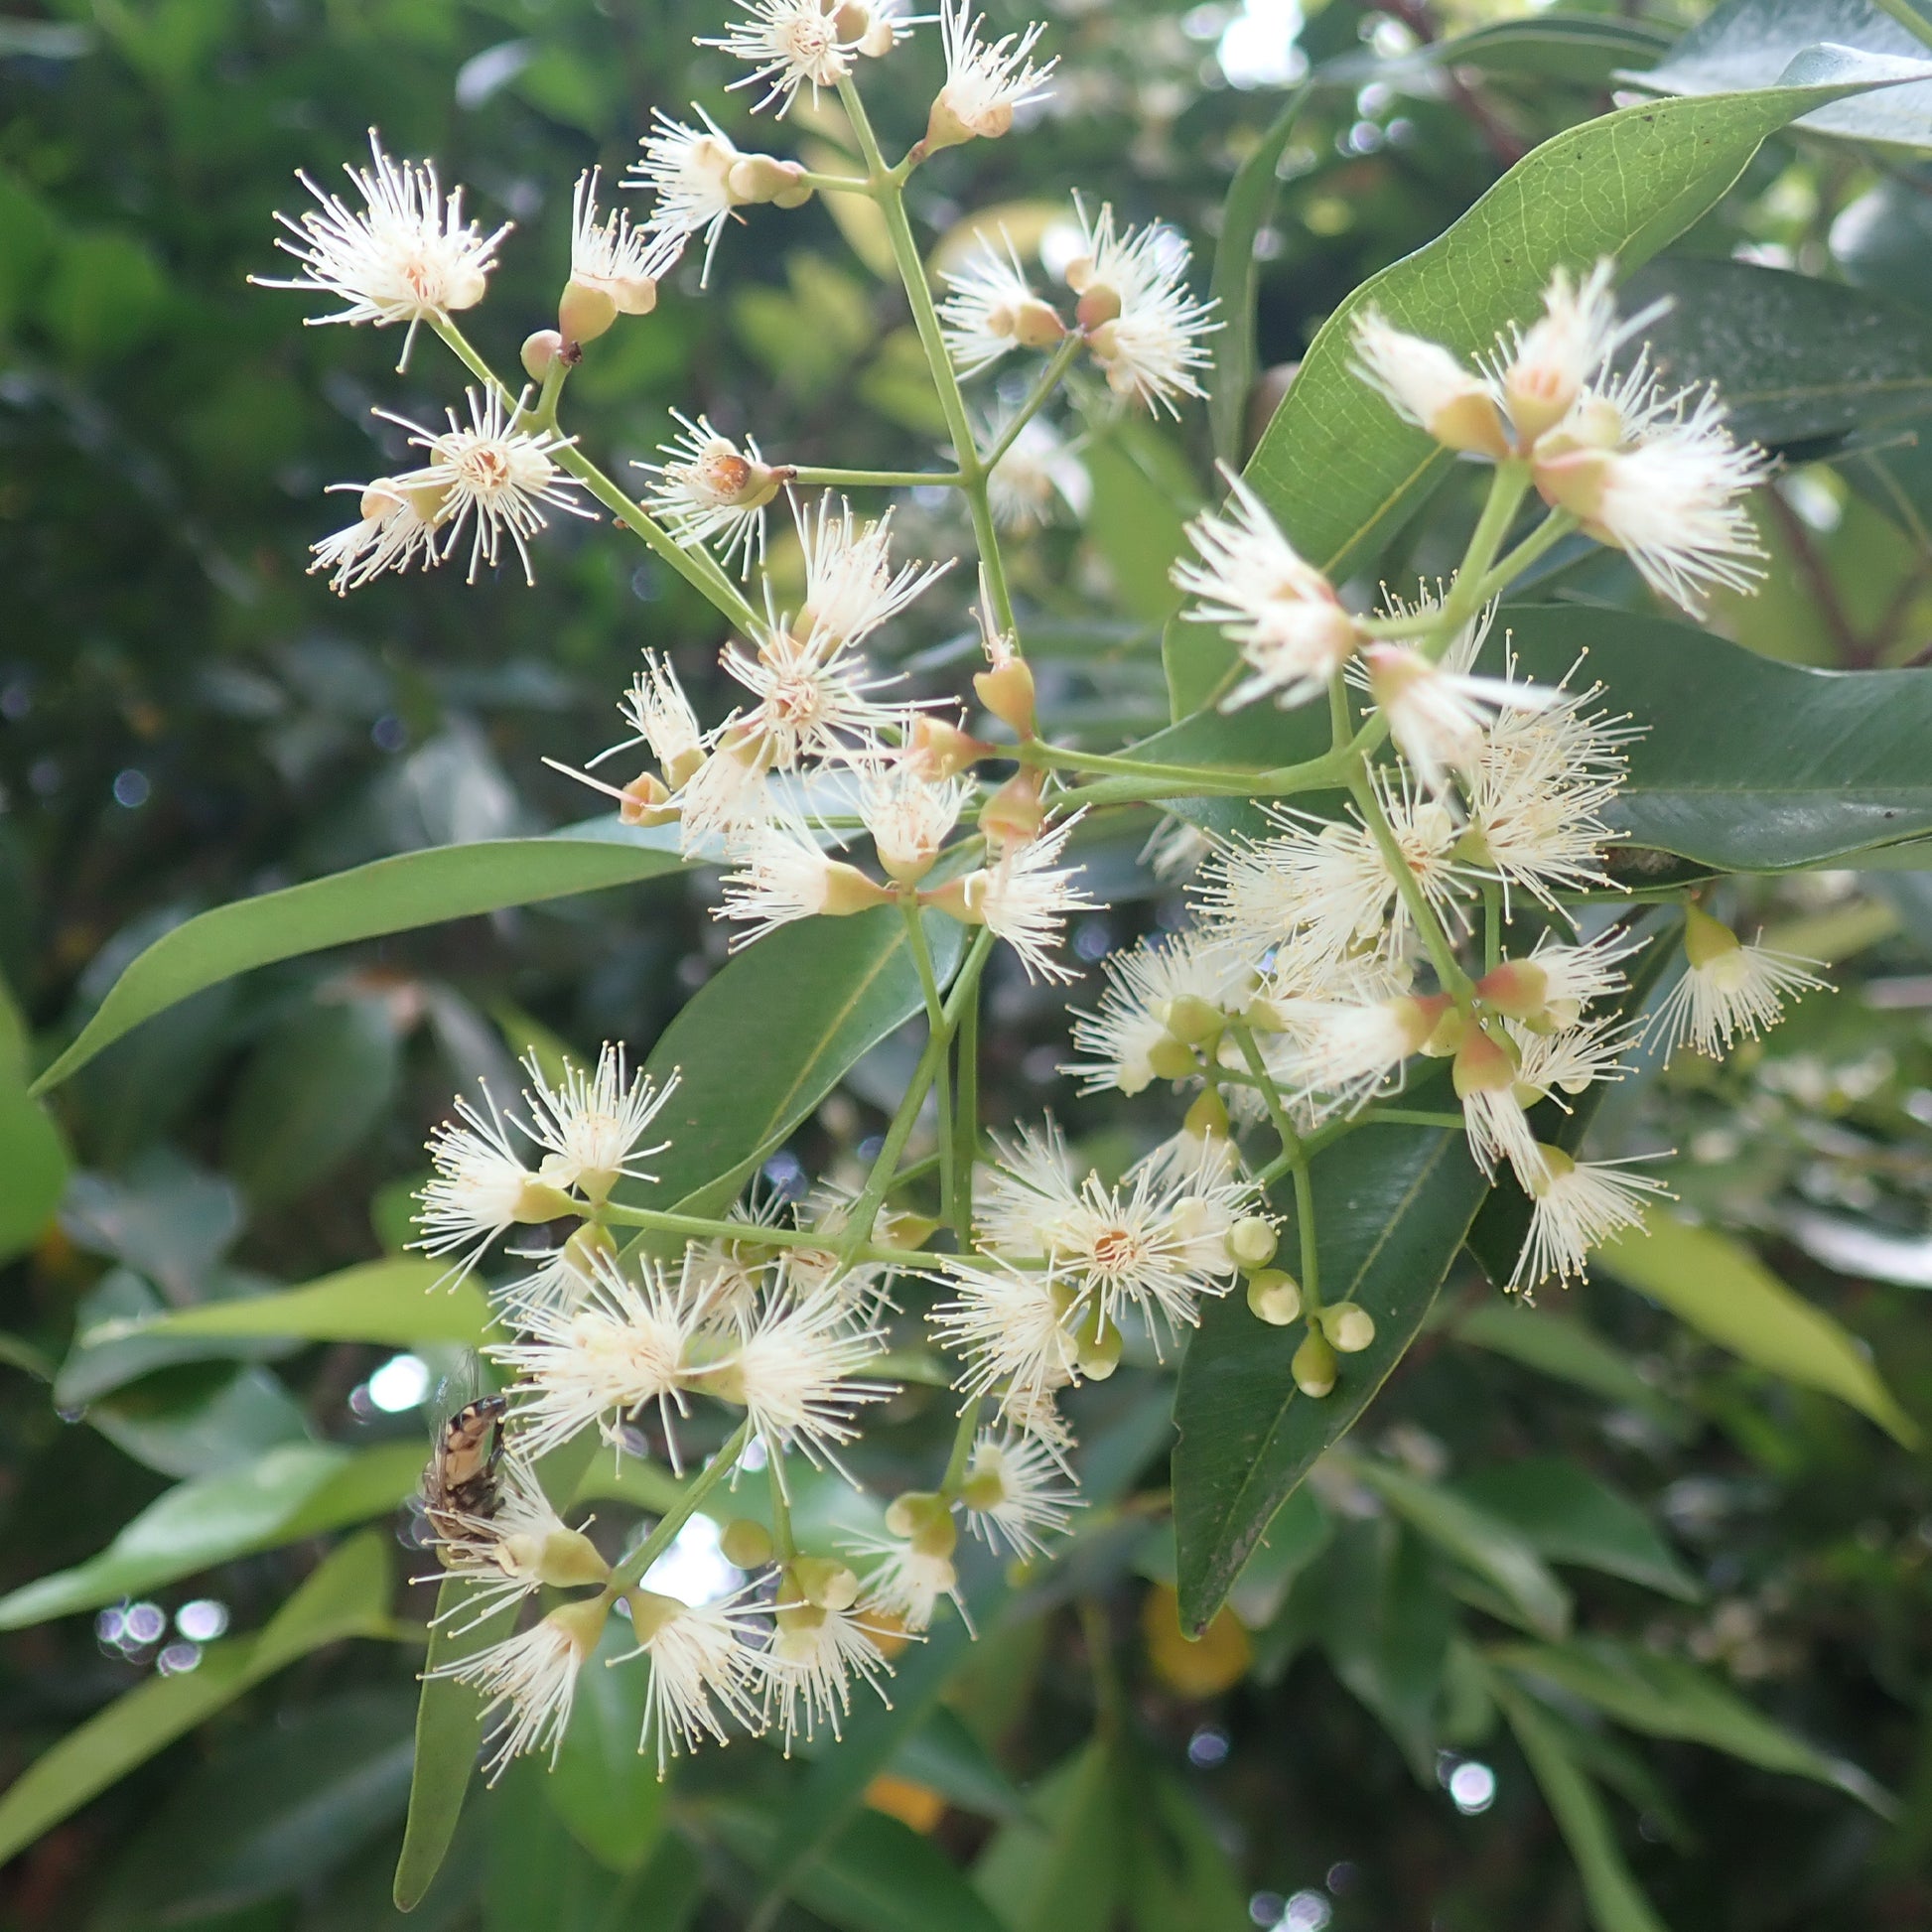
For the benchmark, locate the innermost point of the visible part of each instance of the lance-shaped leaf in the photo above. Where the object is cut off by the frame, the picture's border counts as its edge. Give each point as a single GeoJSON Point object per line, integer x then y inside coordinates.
{"type": "Point", "coordinates": [1393, 1203]}
{"type": "Point", "coordinates": [347, 1595]}
{"type": "Point", "coordinates": [415, 888]}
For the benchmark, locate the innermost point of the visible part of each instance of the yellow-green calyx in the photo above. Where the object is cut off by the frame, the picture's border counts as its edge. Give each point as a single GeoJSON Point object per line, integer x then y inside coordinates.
{"type": "Point", "coordinates": [1706, 939]}
{"type": "Point", "coordinates": [537, 1201]}
{"type": "Point", "coordinates": [824, 1582]}
{"type": "Point", "coordinates": [745, 1544]}
{"type": "Point", "coordinates": [924, 1520]}
{"type": "Point", "coordinates": [1483, 1066]}
{"type": "Point", "coordinates": [1313, 1367]}
{"type": "Point", "coordinates": [650, 1612]}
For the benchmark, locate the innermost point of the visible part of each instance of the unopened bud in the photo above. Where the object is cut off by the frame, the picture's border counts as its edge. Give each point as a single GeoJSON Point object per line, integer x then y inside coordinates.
{"type": "Point", "coordinates": [585, 312]}
{"type": "Point", "coordinates": [746, 1544]}
{"type": "Point", "coordinates": [943, 751]}
{"type": "Point", "coordinates": [1348, 1326]}
{"type": "Point", "coordinates": [539, 351]}
{"type": "Point", "coordinates": [1007, 691]}
{"type": "Point", "coordinates": [1016, 813]}
{"type": "Point", "coordinates": [1518, 987]}
{"type": "Point", "coordinates": [926, 1521]}
{"type": "Point", "coordinates": [1251, 1241]}
{"type": "Point", "coordinates": [823, 1582]}
{"type": "Point", "coordinates": [1275, 1296]}
{"type": "Point", "coordinates": [1173, 1059]}
{"type": "Point", "coordinates": [764, 178]}
{"type": "Point", "coordinates": [1190, 1018]}
{"type": "Point", "coordinates": [1098, 304]}
{"type": "Point", "coordinates": [1313, 1367]}
{"type": "Point", "coordinates": [645, 802]}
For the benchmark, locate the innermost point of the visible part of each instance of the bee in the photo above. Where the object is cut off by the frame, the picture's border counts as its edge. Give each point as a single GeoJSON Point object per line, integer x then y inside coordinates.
{"type": "Point", "coordinates": [460, 1484]}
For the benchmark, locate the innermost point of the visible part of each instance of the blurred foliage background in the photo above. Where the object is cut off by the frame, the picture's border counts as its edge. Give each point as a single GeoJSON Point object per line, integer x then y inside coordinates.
{"type": "Point", "coordinates": [186, 717]}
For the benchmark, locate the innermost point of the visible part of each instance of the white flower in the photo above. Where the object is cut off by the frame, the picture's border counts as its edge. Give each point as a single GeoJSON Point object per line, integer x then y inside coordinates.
{"type": "Point", "coordinates": [1007, 1322]}
{"type": "Point", "coordinates": [1577, 1206]}
{"type": "Point", "coordinates": [621, 263]}
{"type": "Point", "coordinates": [785, 877]}
{"type": "Point", "coordinates": [1427, 386]}
{"type": "Point", "coordinates": [1011, 1495]}
{"type": "Point", "coordinates": [1574, 976]}
{"type": "Point", "coordinates": [708, 490]}
{"type": "Point", "coordinates": [688, 171]}
{"type": "Point", "coordinates": [990, 308]}
{"type": "Point", "coordinates": [1034, 1413]}
{"type": "Point", "coordinates": [1282, 612]}
{"type": "Point", "coordinates": [398, 519]}
{"type": "Point", "coordinates": [1144, 327]}
{"type": "Point", "coordinates": [1541, 370]}
{"type": "Point", "coordinates": [1038, 472]}
{"type": "Point", "coordinates": [815, 1654]}
{"type": "Point", "coordinates": [497, 479]}
{"type": "Point", "coordinates": [660, 716]}
{"type": "Point", "coordinates": [406, 256]}
{"type": "Point", "coordinates": [1728, 988]}
{"type": "Point", "coordinates": [985, 82]}
{"type": "Point", "coordinates": [814, 697]}
{"type": "Point", "coordinates": [532, 1679]}
{"type": "Point", "coordinates": [792, 43]}
{"type": "Point", "coordinates": [1493, 1118]}
{"type": "Point", "coordinates": [851, 587]}
{"type": "Point", "coordinates": [604, 1360]}
{"type": "Point", "coordinates": [906, 1582]}
{"type": "Point", "coordinates": [791, 1368]}
{"type": "Point", "coordinates": [479, 1188]}
{"type": "Point", "coordinates": [697, 1653]}
{"type": "Point", "coordinates": [1668, 500]}
{"type": "Point", "coordinates": [909, 815]}
{"type": "Point", "coordinates": [1025, 899]}
{"type": "Point", "coordinates": [727, 797]}
{"type": "Point", "coordinates": [1128, 1039]}
{"type": "Point", "coordinates": [1345, 1051]}
{"type": "Point", "coordinates": [1439, 718]}
{"type": "Point", "coordinates": [590, 1124]}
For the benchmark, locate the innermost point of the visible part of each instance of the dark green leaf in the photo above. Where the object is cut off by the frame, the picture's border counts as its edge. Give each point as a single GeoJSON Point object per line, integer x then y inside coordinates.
{"type": "Point", "coordinates": [1060, 1870]}
{"type": "Point", "coordinates": [1749, 44]}
{"type": "Point", "coordinates": [1616, 1903]}
{"type": "Point", "coordinates": [1392, 1207]}
{"type": "Point", "coordinates": [1585, 49]}
{"type": "Point", "coordinates": [416, 888]}
{"type": "Point", "coordinates": [347, 1595]}
{"type": "Point", "coordinates": [1141, 485]}
{"type": "Point", "coordinates": [1670, 1697]}
{"type": "Point", "coordinates": [536, 1873]}
{"type": "Point", "coordinates": [33, 1156]}
{"type": "Point", "coordinates": [947, 1758]}
{"type": "Point", "coordinates": [603, 1787]}
{"type": "Point", "coordinates": [1883, 241]}
{"type": "Point", "coordinates": [1180, 1878]}
{"type": "Point", "coordinates": [1562, 1347]}
{"type": "Point", "coordinates": [112, 1350]}
{"type": "Point", "coordinates": [1569, 1516]}
{"type": "Point", "coordinates": [193, 1422]}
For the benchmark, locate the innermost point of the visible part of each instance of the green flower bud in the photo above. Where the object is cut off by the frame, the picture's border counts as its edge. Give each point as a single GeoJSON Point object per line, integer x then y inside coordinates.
{"type": "Point", "coordinates": [745, 1544]}
{"type": "Point", "coordinates": [1251, 1241]}
{"type": "Point", "coordinates": [1275, 1296]}
{"type": "Point", "coordinates": [1314, 1366]}
{"type": "Point", "coordinates": [1348, 1326]}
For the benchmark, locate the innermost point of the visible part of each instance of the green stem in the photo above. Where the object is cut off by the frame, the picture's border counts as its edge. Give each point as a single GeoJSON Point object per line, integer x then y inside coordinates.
{"type": "Point", "coordinates": [1341, 723]}
{"type": "Point", "coordinates": [966, 1118]}
{"type": "Point", "coordinates": [1305, 1227]}
{"type": "Point", "coordinates": [1547, 534]}
{"type": "Point", "coordinates": [838, 184]}
{"type": "Point", "coordinates": [1442, 956]}
{"type": "Point", "coordinates": [1909, 17]}
{"type": "Point", "coordinates": [697, 1228]}
{"type": "Point", "coordinates": [1412, 1117]}
{"type": "Point", "coordinates": [1049, 381]}
{"type": "Point", "coordinates": [1493, 928]}
{"type": "Point", "coordinates": [935, 1019]}
{"type": "Point", "coordinates": [781, 1535]}
{"type": "Point", "coordinates": [630, 1571]}
{"type": "Point", "coordinates": [962, 1450]}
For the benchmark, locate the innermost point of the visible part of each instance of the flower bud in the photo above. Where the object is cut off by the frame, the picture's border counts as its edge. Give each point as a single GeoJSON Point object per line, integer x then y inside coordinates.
{"type": "Point", "coordinates": [1313, 1367]}
{"type": "Point", "coordinates": [585, 313]}
{"type": "Point", "coordinates": [746, 1544]}
{"type": "Point", "coordinates": [1191, 1019]}
{"type": "Point", "coordinates": [823, 1582]}
{"type": "Point", "coordinates": [943, 751]}
{"type": "Point", "coordinates": [1171, 1059]}
{"type": "Point", "coordinates": [924, 1520]}
{"type": "Point", "coordinates": [1348, 1326]}
{"type": "Point", "coordinates": [1007, 691]}
{"type": "Point", "coordinates": [1015, 813]}
{"type": "Point", "coordinates": [1519, 988]}
{"type": "Point", "coordinates": [540, 349]}
{"type": "Point", "coordinates": [645, 801]}
{"type": "Point", "coordinates": [764, 178]}
{"type": "Point", "coordinates": [1251, 1241]}
{"type": "Point", "coordinates": [1275, 1296]}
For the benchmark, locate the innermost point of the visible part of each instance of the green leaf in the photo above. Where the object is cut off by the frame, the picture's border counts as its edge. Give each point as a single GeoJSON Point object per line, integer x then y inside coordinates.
{"type": "Point", "coordinates": [347, 1595]}
{"type": "Point", "coordinates": [1585, 49]}
{"type": "Point", "coordinates": [1797, 358]}
{"type": "Point", "coordinates": [1670, 1697]}
{"type": "Point", "coordinates": [1392, 1207]}
{"type": "Point", "coordinates": [1477, 1538]}
{"type": "Point", "coordinates": [33, 1156]}
{"type": "Point", "coordinates": [415, 888]}
{"type": "Point", "coordinates": [1616, 1903]}
{"type": "Point", "coordinates": [309, 1095]}
{"type": "Point", "coordinates": [1140, 488]}
{"type": "Point", "coordinates": [1750, 43]}
{"type": "Point", "coordinates": [1721, 1289]}
{"type": "Point", "coordinates": [603, 1787]}
{"type": "Point", "coordinates": [1569, 1516]}
{"type": "Point", "coordinates": [947, 1758]}
{"type": "Point", "coordinates": [1180, 1880]}
{"type": "Point", "coordinates": [1337, 466]}
{"type": "Point", "coordinates": [197, 1421]}
{"type": "Point", "coordinates": [1060, 1870]}
{"type": "Point", "coordinates": [395, 1302]}
{"type": "Point", "coordinates": [1562, 1347]}
{"type": "Point", "coordinates": [299, 1490]}
{"type": "Point", "coordinates": [1884, 241]}
{"type": "Point", "coordinates": [765, 1039]}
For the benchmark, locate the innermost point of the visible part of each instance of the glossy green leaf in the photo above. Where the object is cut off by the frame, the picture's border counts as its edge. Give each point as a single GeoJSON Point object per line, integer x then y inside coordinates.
{"type": "Point", "coordinates": [1616, 1902]}
{"type": "Point", "coordinates": [1884, 241]}
{"type": "Point", "coordinates": [396, 1302]}
{"type": "Point", "coordinates": [1670, 1697]}
{"type": "Point", "coordinates": [347, 1595]}
{"type": "Point", "coordinates": [1719, 1288]}
{"type": "Point", "coordinates": [1797, 358]}
{"type": "Point", "coordinates": [299, 1490]}
{"type": "Point", "coordinates": [604, 1786]}
{"type": "Point", "coordinates": [765, 1039]}
{"type": "Point", "coordinates": [1060, 1870]}
{"type": "Point", "coordinates": [1141, 493]}
{"type": "Point", "coordinates": [1480, 1541]}
{"type": "Point", "coordinates": [1749, 44]}
{"type": "Point", "coordinates": [1560, 1346]}
{"type": "Point", "coordinates": [1337, 466]}
{"type": "Point", "coordinates": [194, 1421]}
{"type": "Point", "coordinates": [33, 1156]}
{"type": "Point", "coordinates": [1568, 1515]}
{"type": "Point", "coordinates": [415, 888]}
{"type": "Point", "coordinates": [1392, 1207]}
